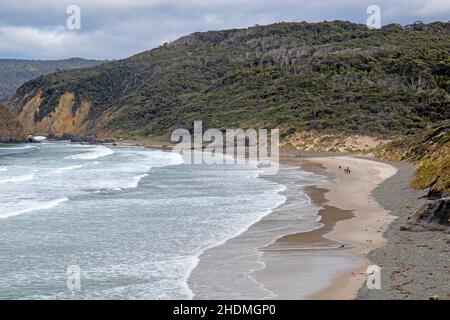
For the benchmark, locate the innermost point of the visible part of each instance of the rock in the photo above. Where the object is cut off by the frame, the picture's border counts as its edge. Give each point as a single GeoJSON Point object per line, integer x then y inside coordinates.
{"type": "Point", "coordinates": [10, 129]}
{"type": "Point", "coordinates": [434, 215]}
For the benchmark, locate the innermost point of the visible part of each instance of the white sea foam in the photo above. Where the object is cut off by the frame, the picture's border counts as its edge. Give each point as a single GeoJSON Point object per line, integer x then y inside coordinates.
{"type": "Point", "coordinates": [69, 168]}
{"type": "Point", "coordinates": [3, 169]}
{"type": "Point", "coordinates": [278, 200]}
{"type": "Point", "coordinates": [132, 183]}
{"type": "Point", "coordinates": [199, 207]}
{"type": "Point", "coordinates": [12, 150]}
{"type": "Point", "coordinates": [21, 147]}
{"type": "Point", "coordinates": [128, 174]}
{"type": "Point", "coordinates": [96, 152]}
{"type": "Point", "coordinates": [30, 206]}
{"type": "Point", "coordinates": [18, 179]}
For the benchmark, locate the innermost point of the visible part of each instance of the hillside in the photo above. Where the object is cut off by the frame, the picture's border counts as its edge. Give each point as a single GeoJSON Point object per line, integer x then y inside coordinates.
{"type": "Point", "coordinates": [430, 149]}
{"type": "Point", "coordinates": [14, 73]}
{"type": "Point", "coordinates": [329, 76]}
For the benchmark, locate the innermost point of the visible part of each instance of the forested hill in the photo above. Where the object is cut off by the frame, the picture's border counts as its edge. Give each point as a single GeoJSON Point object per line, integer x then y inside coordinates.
{"type": "Point", "coordinates": [328, 76]}
{"type": "Point", "coordinates": [14, 73]}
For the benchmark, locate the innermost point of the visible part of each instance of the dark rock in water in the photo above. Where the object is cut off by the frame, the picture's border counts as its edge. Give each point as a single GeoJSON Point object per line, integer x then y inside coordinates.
{"type": "Point", "coordinates": [434, 215]}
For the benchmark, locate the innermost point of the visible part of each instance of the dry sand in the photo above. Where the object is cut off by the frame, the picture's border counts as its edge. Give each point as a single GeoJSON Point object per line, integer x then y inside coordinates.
{"type": "Point", "coordinates": [330, 262]}
{"type": "Point", "coordinates": [364, 232]}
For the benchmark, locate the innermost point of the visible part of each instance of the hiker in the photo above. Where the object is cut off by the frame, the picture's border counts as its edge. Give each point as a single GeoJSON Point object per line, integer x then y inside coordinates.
{"type": "Point", "coordinates": [340, 167]}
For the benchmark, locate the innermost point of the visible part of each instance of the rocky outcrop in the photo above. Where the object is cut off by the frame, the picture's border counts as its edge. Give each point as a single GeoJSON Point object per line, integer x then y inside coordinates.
{"type": "Point", "coordinates": [434, 215]}
{"type": "Point", "coordinates": [63, 120]}
{"type": "Point", "coordinates": [10, 129]}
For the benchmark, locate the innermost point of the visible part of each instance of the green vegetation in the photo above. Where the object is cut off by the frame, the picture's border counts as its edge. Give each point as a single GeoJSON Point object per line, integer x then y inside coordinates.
{"type": "Point", "coordinates": [14, 73]}
{"type": "Point", "coordinates": [430, 149]}
{"type": "Point", "coordinates": [333, 76]}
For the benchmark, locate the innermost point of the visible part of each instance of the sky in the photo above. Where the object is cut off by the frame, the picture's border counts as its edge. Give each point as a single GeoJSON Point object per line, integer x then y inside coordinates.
{"type": "Point", "coordinates": [116, 29]}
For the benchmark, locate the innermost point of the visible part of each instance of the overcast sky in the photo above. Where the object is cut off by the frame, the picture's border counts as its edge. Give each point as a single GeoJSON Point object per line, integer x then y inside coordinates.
{"type": "Point", "coordinates": [114, 29]}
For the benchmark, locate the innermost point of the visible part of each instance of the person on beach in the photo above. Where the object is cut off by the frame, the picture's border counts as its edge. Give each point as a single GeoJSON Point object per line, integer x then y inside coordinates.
{"type": "Point", "coordinates": [340, 167]}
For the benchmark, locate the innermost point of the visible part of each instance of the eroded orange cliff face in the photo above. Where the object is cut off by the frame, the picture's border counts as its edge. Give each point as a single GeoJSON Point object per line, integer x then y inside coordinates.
{"type": "Point", "coordinates": [62, 120]}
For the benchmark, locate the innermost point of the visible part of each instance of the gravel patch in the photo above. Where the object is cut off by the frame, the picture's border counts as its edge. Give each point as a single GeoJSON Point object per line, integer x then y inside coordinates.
{"type": "Point", "coordinates": [415, 265]}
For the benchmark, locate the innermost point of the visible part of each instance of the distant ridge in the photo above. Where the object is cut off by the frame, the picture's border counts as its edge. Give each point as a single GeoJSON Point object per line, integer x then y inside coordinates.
{"type": "Point", "coordinates": [15, 72]}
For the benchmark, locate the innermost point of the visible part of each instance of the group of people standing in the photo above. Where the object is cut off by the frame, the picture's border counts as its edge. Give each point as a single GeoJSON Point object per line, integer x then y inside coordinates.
{"type": "Point", "coordinates": [346, 170]}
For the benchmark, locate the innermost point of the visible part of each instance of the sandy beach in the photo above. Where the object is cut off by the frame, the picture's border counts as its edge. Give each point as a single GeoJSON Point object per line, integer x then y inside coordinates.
{"type": "Point", "coordinates": [364, 232]}
{"type": "Point", "coordinates": [352, 225]}
{"type": "Point", "coordinates": [415, 265]}
{"type": "Point", "coordinates": [327, 259]}
{"type": "Point", "coordinates": [348, 220]}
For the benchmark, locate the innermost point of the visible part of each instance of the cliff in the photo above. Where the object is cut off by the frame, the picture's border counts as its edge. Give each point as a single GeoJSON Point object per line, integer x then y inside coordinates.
{"type": "Point", "coordinates": [10, 129]}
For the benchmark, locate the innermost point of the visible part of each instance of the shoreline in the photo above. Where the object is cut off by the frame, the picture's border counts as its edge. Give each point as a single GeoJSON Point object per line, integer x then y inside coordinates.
{"type": "Point", "coordinates": [227, 271]}
{"type": "Point", "coordinates": [340, 216]}
{"type": "Point", "coordinates": [415, 264]}
{"type": "Point", "coordinates": [351, 228]}
{"type": "Point", "coordinates": [364, 232]}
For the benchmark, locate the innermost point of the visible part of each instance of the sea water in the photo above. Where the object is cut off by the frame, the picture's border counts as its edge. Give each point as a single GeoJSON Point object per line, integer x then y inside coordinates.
{"type": "Point", "coordinates": [133, 221]}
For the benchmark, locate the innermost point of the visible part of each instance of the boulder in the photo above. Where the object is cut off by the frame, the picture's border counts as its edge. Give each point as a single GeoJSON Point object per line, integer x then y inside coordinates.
{"type": "Point", "coordinates": [433, 215]}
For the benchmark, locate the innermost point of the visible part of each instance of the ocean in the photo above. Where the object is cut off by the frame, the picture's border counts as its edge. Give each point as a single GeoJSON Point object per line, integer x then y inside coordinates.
{"type": "Point", "coordinates": [133, 220]}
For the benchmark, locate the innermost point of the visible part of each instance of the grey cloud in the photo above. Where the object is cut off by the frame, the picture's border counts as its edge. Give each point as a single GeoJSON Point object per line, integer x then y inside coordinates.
{"type": "Point", "coordinates": [117, 29]}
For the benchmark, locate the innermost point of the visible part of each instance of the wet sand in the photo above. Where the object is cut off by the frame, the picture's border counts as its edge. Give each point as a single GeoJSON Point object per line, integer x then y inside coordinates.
{"type": "Point", "coordinates": [364, 232]}
{"type": "Point", "coordinates": [330, 262]}
{"type": "Point", "coordinates": [232, 270]}
{"type": "Point", "coordinates": [327, 259]}
{"type": "Point", "coordinates": [320, 255]}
